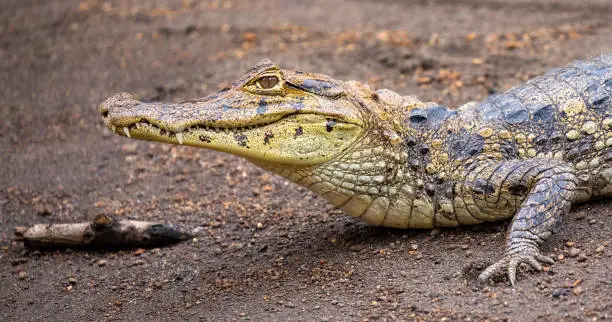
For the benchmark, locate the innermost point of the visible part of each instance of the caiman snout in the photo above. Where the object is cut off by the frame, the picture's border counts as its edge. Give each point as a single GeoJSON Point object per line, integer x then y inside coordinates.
{"type": "Point", "coordinates": [119, 101]}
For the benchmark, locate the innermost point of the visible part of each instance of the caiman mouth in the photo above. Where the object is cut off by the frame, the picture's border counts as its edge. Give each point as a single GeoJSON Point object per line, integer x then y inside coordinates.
{"type": "Point", "coordinates": [144, 125]}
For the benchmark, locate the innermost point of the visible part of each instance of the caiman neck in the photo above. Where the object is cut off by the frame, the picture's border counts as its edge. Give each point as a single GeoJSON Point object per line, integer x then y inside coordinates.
{"type": "Point", "coordinates": [384, 170]}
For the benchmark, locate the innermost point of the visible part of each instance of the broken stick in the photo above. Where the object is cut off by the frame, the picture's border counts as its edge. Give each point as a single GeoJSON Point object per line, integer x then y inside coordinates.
{"type": "Point", "coordinates": [104, 231]}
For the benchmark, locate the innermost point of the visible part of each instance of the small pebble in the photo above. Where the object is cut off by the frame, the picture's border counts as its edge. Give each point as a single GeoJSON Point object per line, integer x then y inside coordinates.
{"type": "Point", "coordinates": [23, 275]}
{"type": "Point", "coordinates": [102, 262]}
{"type": "Point", "coordinates": [600, 249]}
{"type": "Point", "coordinates": [577, 290]}
{"type": "Point", "coordinates": [574, 252]}
{"type": "Point", "coordinates": [570, 244]}
{"type": "Point", "coordinates": [580, 215]}
{"type": "Point", "coordinates": [559, 292]}
{"type": "Point", "coordinates": [434, 232]}
{"type": "Point", "coordinates": [197, 231]}
{"type": "Point", "coordinates": [358, 247]}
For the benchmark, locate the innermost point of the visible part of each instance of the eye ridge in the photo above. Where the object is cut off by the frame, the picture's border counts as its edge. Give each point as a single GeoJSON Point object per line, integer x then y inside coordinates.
{"type": "Point", "coordinates": [268, 82]}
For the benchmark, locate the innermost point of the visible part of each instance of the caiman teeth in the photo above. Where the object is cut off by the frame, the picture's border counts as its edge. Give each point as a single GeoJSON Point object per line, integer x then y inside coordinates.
{"type": "Point", "coordinates": [145, 124]}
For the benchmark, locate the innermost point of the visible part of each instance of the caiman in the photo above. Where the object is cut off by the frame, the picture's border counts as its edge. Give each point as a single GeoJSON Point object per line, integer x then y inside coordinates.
{"type": "Point", "coordinates": [394, 161]}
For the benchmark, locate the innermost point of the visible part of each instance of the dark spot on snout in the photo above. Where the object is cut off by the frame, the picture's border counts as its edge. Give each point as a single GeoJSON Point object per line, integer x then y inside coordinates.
{"type": "Point", "coordinates": [263, 106]}
{"type": "Point", "coordinates": [241, 139]}
{"type": "Point", "coordinates": [204, 138]}
{"type": "Point", "coordinates": [329, 126]}
{"type": "Point", "coordinates": [268, 135]}
{"type": "Point", "coordinates": [298, 131]}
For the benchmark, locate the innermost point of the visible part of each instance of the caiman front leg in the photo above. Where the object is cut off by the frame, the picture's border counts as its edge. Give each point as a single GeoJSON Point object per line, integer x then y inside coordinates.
{"type": "Point", "coordinates": [542, 189]}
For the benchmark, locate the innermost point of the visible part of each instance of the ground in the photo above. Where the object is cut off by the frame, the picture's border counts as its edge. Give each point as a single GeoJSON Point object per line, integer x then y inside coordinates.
{"type": "Point", "coordinates": [265, 249]}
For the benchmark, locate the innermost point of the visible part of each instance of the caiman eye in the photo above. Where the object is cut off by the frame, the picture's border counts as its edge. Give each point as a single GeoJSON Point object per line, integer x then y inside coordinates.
{"type": "Point", "coordinates": [267, 82]}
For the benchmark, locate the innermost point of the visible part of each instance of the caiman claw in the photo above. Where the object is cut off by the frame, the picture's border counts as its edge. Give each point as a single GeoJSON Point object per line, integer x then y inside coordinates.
{"type": "Point", "coordinates": [510, 262]}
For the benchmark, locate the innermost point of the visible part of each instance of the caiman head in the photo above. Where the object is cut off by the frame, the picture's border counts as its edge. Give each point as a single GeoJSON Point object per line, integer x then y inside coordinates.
{"type": "Point", "coordinates": [270, 115]}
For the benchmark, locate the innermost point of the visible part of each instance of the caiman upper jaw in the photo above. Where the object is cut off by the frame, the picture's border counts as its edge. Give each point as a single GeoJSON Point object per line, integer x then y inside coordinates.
{"type": "Point", "coordinates": [122, 112]}
{"type": "Point", "coordinates": [112, 104]}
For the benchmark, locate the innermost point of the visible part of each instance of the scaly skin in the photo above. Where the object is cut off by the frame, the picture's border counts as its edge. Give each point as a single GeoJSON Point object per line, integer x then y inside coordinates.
{"type": "Point", "coordinates": [394, 161]}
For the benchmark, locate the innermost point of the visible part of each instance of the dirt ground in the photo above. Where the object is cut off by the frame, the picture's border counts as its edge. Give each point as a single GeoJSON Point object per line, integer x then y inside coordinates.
{"type": "Point", "coordinates": [266, 249]}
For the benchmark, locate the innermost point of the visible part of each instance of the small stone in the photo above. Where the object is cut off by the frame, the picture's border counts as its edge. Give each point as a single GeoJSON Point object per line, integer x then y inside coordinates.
{"type": "Point", "coordinates": [23, 275]}
{"type": "Point", "coordinates": [72, 280]}
{"type": "Point", "coordinates": [570, 244]}
{"type": "Point", "coordinates": [139, 251]}
{"type": "Point", "coordinates": [559, 292]}
{"type": "Point", "coordinates": [117, 303]}
{"type": "Point", "coordinates": [577, 290]}
{"type": "Point", "coordinates": [580, 215]}
{"type": "Point", "coordinates": [43, 210]}
{"type": "Point", "coordinates": [102, 262]}
{"type": "Point", "coordinates": [197, 231]}
{"type": "Point", "coordinates": [600, 249]}
{"type": "Point", "coordinates": [434, 232]}
{"type": "Point", "coordinates": [358, 247]}
{"type": "Point", "coordinates": [574, 252]}
{"type": "Point", "coordinates": [582, 257]}
{"type": "Point", "coordinates": [259, 225]}
{"type": "Point", "coordinates": [129, 147]}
